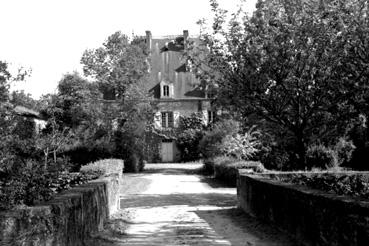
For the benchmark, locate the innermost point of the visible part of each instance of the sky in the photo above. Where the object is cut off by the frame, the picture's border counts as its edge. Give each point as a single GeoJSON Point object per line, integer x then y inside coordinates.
{"type": "Point", "coordinates": [50, 36]}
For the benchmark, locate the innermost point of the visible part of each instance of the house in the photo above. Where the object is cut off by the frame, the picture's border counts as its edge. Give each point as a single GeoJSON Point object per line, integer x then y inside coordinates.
{"type": "Point", "coordinates": [176, 90]}
{"type": "Point", "coordinates": [38, 119]}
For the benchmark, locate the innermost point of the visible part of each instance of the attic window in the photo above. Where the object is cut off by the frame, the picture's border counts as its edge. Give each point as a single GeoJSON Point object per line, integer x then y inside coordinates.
{"type": "Point", "coordinates": [166, 90]}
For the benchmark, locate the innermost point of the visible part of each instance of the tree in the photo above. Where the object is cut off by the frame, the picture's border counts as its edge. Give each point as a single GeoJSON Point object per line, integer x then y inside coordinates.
{"type": "Point", "coordinates": [8, 120]}
{"type": "Point", "coordinates": [293, 67]}
{"type": "Point", "coordinates": [53, 140]}
{"type": "Point", "coordinates": [120, 68]}
{"type": "Point", "coordinates": [116, 65]}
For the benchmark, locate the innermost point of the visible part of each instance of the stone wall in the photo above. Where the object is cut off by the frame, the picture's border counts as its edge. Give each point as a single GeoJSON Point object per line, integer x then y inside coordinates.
{"type": "Point", "coordinates": [314, 217]}
{"type": "Point", "coordinates": [68, 219]}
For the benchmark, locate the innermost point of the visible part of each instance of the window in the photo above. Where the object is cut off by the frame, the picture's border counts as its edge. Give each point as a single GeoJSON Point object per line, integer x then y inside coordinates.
{"type": "Point", "coordinates": [211, 115]}
{"type": "Point", "coordinates": [166, 90]}
{"type": "Point", "coordinates": [167, 119]}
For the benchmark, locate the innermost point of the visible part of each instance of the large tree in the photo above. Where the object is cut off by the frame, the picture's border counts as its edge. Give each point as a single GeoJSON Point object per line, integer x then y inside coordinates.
{"type": "Point", "coordinates": [117, 64]}
{"type": "Point", "coordinates": [299, 67]}
{"type": "Point", "coordinates": [120, 67]}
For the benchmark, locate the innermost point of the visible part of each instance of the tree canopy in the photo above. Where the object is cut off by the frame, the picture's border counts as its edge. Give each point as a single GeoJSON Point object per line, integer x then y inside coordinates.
{"type": "Point", "coordinates": [299, 67]}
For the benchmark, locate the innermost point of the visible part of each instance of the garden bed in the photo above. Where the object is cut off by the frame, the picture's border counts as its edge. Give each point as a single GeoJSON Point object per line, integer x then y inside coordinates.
{"type": "Point", "coordinates": [354, 184]}
{"type": "Point", "coordinates": [334, 214]}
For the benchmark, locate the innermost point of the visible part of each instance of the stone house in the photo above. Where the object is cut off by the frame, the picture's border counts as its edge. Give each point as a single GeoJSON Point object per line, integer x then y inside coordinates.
{"type": "Point", "coordinates": [38, 119]}
{"type": "Point", "coordinates": [175, 89]}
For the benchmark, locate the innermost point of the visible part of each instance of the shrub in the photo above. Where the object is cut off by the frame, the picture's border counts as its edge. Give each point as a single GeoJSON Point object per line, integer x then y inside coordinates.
{"type": "Point", "coordinates": [319, 156]}
{"type": "Point", "coordinates": [210, 144]}
{"type": "Point", "coordinates": [208, 167]}
{"type": "Point", "coordinates": [83, 155]}
{"type": "Point", "coordinates": [102, 167]}
{"type": "Point", "coordinates": [189, 133]}
{"type": "Point", "coordinates": [132, 164]}
{"type": "Point", "coordinates": [226, 168]}
{"type": "Point", "coordinates": [130, 148]}
{"type": "Point", "coordinates": [34, 184]}
{"type": "Point", "coordinates": [344, 150]}
{"type": "Point", "coordinates": [355, 185]}
{"type": "Point", "coordinates": [241, 146]}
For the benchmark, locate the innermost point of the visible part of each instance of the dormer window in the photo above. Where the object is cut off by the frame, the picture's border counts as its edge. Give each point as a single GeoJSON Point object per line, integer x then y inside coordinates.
{"type": "Point", "coordinates": [166, 90]}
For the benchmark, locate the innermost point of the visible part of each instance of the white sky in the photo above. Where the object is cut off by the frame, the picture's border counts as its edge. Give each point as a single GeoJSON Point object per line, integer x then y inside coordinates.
{"type": "Point", "coordinates": [49, 36]}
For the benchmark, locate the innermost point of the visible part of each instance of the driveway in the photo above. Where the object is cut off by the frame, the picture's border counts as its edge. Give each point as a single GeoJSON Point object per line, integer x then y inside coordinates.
{"type": "Point", "coordinates": [170, 204]}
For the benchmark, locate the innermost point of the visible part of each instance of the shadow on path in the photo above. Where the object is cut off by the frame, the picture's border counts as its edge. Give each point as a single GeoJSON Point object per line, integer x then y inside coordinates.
{"type": "Point", "coordinates": [171, 207]}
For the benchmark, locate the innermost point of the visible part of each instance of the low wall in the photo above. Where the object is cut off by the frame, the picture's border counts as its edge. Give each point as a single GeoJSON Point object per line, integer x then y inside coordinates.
{"type": "Point", "coordinates": [70, 218]}
{"type": "Point", "coordinates": [314, 217]}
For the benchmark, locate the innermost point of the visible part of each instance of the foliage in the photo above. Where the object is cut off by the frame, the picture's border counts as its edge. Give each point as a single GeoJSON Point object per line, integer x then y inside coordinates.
{"type": "Point", "coordinates": [103, 167]}
{"type": "Point", "coordinates": [344, 150]}
{"type": "Point", "coordinates": [134, 164]}
{"type": "Point", "coordinates": [53, 140]}
{"type": "Point", "coordinates": [241, 146]}
{"type": "Point", "coordinates": [226, 168]}
{"type": "Point", "coordinates": [120, 69]}
{"type": "Point", "coordinates": [319, 156]}
{"type": "Point", "coordinates": [299, 66]}
{"type": "Point", "coordinates": [210, 144]}
{"type": "Point", "coordinates": [359, 133]}
{"type": "Point", "coordinates": [350, 184]}
{"type": "Point", "coordinates": [189, 134]}
{"type": "Point", "coordinates": [117, 64]}
{"type": "Point", "coordinates": [13, 137]}
{"type": "Point", "coordinates": [35, 184]}
{"type": "Point", "coordinates": [67, 180]}
{"type": "Point", "coordinates": [28, 186]}
{"type": "Point", "coordinates": [77, 101]}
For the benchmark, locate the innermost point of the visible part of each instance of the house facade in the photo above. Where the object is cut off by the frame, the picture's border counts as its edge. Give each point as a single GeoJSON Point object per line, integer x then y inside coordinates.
{"type": "Point", "coordinates": [175, 89]}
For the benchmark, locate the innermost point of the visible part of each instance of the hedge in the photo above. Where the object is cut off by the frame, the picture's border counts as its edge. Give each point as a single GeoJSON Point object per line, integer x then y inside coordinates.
{"type": "Point", "coordinates": [102, 168]}
{"type": "Point", "coordinates": [226, 168]}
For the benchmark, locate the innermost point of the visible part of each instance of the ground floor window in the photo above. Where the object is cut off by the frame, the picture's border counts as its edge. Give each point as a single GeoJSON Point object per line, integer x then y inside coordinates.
{"type": "Point", "coordinates": [167, 119]}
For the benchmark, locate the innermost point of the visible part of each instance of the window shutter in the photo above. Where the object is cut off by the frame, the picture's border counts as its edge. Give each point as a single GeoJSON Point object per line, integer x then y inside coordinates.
{"type": "Point", "coordinates": [176, 118]}
{"type": "Point", "coordinates": [157, 120]}
{"type": "Point", "coordinates": [171, 90]}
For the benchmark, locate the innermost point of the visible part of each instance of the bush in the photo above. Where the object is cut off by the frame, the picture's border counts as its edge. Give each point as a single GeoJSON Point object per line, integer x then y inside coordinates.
{"type": "Point", "coordinates": [189, 133]}
{"type": "Point", "coordinates": [33, 184]}
{"type": "Point", "coordinates": [211, 143]}
{"type": "Point", "coordinates": [344, 150]}
{"type": "Point", "coordinates": [241, 146]}
{"type": "Point", "coordinates": [83, 155]}
{"type": "Point", "coordinates": [226, 168]}
{"type": "Point", "coordinates": [342, 184]}
{"type": "Point", "coordinates": [133, 164]}
{"type": "Point", "coordinates": [102, 167]}
{"type": "Point", "coordinates": [319, 156]}
{"type": "Point", "coordinates": [208, 167]}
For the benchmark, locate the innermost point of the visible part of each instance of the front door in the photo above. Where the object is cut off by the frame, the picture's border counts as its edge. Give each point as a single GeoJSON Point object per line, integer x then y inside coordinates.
{"type": "Point", "coordinates": [167, 151]}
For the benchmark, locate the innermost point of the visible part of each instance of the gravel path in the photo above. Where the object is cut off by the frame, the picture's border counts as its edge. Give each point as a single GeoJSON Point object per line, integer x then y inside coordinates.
{"type": "Point", "coordinates": [169, 204]}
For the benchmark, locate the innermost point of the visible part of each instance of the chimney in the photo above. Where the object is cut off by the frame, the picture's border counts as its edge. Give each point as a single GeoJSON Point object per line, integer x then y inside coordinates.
{"type": "Point", "coordinates": [185, 39]}
{"type": "Point", "coordinates": [148, 40]}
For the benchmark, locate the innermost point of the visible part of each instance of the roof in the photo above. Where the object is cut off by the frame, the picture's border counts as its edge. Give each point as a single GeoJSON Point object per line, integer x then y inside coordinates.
{"type": "Point", "coordinates": [26, 112]}
{"type": "Point", "coordinates": [168, 64]}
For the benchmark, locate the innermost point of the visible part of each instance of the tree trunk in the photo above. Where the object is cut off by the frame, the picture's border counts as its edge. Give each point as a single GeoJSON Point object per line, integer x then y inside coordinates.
{"type": "Point", "coordinates": [54, 156]}
{"type": "Point", "coordinates": [46, 152]}
{"type": "Point", "coordinates": [301, 149]}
